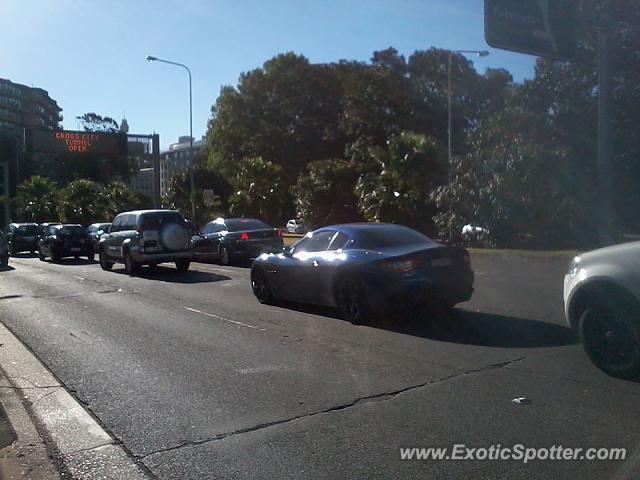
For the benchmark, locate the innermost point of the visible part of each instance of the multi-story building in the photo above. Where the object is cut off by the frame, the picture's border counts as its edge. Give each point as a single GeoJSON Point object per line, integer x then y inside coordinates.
{"type": "Point", "coordinates": [177, 159]}
{"type": "Point", "coordinates": [26, 107]}
{"type": "Point", "coordinates": [142, 181]}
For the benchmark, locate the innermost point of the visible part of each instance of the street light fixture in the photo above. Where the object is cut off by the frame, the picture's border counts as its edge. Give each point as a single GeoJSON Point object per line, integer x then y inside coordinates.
{"type": "Point", "coordinates": [150, 58]}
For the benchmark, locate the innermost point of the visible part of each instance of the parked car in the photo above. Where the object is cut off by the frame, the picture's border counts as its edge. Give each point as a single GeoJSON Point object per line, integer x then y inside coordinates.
{"type": "Point", "coordinates": [22, 237]}
{"type": "Point", "coordinates": [4, 251]}
{"type": "Point", "coordinates": [474, 235]}
{"type": "Point", "coordinates": [96, 230]}
{"type": "Point", "coordinates": [364, 268]}
{"type": "Point", "coordinates": [296, 226]}
{"type": "Point", "coordinates": [602, 303]}
{"type": "Point", "coordinates": [69, 240]}
{"type": "Point", "coordinates": [43, 227]}
{"type": "Point", "coordinates": [146, 237]}
{"type": "Point", "coordinates": [235, 239]}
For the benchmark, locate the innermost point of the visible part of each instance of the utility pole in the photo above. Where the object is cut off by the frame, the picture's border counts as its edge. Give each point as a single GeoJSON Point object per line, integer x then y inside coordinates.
{"type": "Point", "coordinates": [604, 198]}
{"type": "Point", "coordinates": [5, 177]}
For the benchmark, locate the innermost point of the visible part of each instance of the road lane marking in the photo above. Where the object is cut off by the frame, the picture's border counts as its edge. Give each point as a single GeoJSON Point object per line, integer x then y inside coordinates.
{"type": "Point", "coordinates": [223, 319]}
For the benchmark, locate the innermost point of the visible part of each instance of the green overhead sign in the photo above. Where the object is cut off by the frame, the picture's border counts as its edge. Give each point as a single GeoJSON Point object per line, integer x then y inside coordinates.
{"type": "Point", "coordinates": [546, 28]}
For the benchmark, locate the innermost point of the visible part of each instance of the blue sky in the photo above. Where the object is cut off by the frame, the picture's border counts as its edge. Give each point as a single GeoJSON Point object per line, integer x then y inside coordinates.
{"type": "Point", "coordinates": [90, 54]}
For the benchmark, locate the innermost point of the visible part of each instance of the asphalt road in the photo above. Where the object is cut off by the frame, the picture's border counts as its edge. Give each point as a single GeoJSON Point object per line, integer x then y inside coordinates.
{"type": "Point", "coordinates": [198, 380]}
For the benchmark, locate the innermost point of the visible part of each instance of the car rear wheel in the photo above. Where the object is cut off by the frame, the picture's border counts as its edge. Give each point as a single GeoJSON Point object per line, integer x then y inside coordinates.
{"type": "Point", "coordinates": [352, 301]}
{"type": "Point", "coordinates": [105, 264]}
{"type": "Point", "coordinates": [91, 257]}
{"type": "Point", "coordinates": [183, 265]}
{"type": "Point", "coordinates": [41, 256]}
{"type": "Point", "coordinates": [12, 250]}
{"type": "Point", "coordinates": [261, 288]}
{"type": "Point", "coordinates": [610, 335]}
{"type": "Point", "coordinates": [130, 265]}
{"type": "Point", "coordinates": [55, 255]}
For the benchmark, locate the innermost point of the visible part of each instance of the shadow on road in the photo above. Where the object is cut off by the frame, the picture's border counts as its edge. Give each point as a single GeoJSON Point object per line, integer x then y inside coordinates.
{"type": "Point", "coordinates": [24, 255]}
{"type": "Point", "coordinates": [464, 327]}
{"type": "Point", "coordinates": [171, 275]}
{"type": "Point", "coordinates": [6, 269]}
{"type": "Point", "coordinates": [82, 261]}
{"type": "Point", "coordinates": [483, 329]}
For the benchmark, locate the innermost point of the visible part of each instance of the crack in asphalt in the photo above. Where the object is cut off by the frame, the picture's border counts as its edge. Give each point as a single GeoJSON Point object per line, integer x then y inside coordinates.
{"type": "Point", "coordinates": [379, 397]}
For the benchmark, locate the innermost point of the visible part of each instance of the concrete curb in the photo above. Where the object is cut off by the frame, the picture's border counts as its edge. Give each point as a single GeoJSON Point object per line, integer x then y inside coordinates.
{"type": "Point", "coordinates": [79, 442]}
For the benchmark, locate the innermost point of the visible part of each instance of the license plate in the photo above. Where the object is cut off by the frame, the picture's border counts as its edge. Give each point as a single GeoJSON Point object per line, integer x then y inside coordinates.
{"type": "Point", "coordinates": [75, 249]}
{"type": "Point", "coordinates": [441, 262]}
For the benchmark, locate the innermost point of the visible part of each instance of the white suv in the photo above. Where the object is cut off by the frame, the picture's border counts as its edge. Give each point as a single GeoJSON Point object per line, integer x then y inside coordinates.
{"type": "Point", "coordinates": [602, 302]}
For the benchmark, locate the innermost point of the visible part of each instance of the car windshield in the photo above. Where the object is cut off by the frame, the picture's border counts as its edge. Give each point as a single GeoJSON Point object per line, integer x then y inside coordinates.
{"type": "Point", "coordinates": [237, 225]}
{"type": "Point", "coordinates": [71, 229]}
{"type": "Point", "coordinates": [352, 239]}
{"type": "Point", "coordinates": [28, 229]}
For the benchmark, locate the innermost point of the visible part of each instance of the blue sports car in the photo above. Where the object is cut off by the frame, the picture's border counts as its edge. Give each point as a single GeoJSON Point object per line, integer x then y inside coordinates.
{"type": "Point", "coordinates": [364, 268]}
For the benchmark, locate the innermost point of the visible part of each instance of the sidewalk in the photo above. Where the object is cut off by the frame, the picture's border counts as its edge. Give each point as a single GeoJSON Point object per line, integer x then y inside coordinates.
{"type": "Point", "coordinates": [23, 453]}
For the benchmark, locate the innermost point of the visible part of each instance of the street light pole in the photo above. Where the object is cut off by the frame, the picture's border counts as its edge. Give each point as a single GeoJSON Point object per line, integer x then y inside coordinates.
{"type": "Point", "coordinates": [150, 58]}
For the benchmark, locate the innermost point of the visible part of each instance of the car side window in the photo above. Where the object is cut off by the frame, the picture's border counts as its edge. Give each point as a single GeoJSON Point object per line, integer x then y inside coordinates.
{"type": "Point", "coordinates": [128, 223]}
{"type": "Point", "coordinates": [319, 242]}
{"type": "Point", "coordinates": [339, 241]}
{"type": "Point", "coordinates": [115, 226]}
{"type": "Point", "coordinates": [209, 228]}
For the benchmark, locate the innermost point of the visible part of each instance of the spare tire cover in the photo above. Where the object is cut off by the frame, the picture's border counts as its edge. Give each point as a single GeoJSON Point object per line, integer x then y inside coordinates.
{"type": "Point", "coordinates": [173, 237]}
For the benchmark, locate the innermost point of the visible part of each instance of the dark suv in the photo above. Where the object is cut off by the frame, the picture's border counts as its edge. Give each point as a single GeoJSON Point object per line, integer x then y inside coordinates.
{"type": "Point", "coordinates": [60, 241]}
{"type": "Point", "coordinates": [22, 237]}
{"type": "Point", "coordinates": [146, 237]}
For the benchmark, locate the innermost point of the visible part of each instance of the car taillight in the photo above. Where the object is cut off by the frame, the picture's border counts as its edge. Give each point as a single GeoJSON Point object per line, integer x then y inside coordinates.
{"type": "Point", "coordinates": [279, 232]}
{"type": "Point", "coordinates": [400, 266]}
{"type": "Point", "coordinates": [244, 236]}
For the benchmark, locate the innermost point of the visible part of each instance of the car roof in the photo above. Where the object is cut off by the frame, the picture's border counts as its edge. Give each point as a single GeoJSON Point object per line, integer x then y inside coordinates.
{"type": "Point", "coordinates": [25, 224]}
{"type": "Point", "coordinates": [352, 229]}
{"type": "Point", "coordinates": [157, 210]}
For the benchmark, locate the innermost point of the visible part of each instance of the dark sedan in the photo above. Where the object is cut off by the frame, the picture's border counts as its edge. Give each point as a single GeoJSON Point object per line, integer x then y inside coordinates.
{"type": "Point", "coordinates": [96, 230]}
{"type": "Point", "coordinates": [235, 239]}
{"type": "Point", "coordinates": [22, 237]}
{"type": "Point", "coordinates": [60, 241]}
{"type": "Point", "coordinates": [365, 268]}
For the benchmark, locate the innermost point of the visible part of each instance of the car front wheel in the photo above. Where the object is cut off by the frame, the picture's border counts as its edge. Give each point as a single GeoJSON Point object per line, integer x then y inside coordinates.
{"type": "Point", "coordinates": [261, 288]}
{"type": "Point", "coordinates": [225, 256]}
{"type": "Point", "coordinates": [610, 335]}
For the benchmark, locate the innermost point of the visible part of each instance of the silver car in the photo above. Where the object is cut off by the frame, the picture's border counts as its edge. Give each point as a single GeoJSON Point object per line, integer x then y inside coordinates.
{"type": "Point", "coordinates": [146, 237]}
{"type": "Point", "coordinates": [602, 303]}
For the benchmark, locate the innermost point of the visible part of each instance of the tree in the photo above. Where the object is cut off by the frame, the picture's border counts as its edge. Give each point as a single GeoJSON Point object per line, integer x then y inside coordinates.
{"type": "Point", "coordinates": [83, 202]}
{"type": "Point", "coordinates": [258, 190]}
{"type": "Point", "coordinates": [520, 183]}
{"type": "Point", "coordinates": [36, 200]}
{"type": "Point", "coordinates": [396, 184]}
{"type": "Point", "coordinates": [120, 198]}
{"type": "Point", "coordinates": [92, 122]}
{"type": "Point", "coordinates": [178, 193]}
{"type": "Point", "coordinates": [324, 193]}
